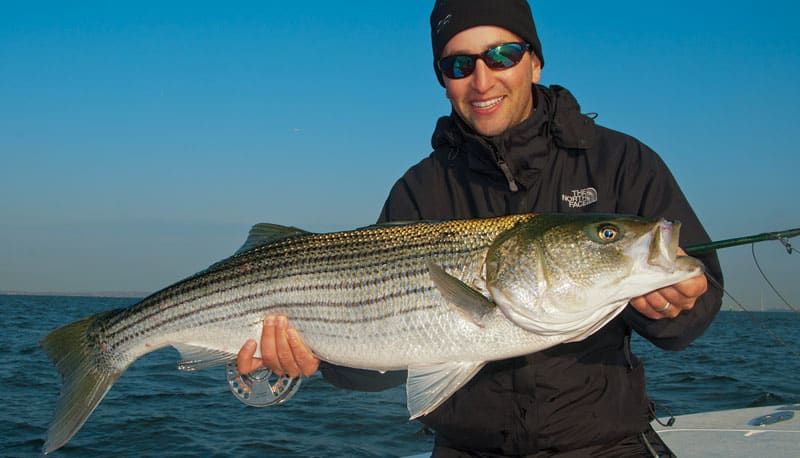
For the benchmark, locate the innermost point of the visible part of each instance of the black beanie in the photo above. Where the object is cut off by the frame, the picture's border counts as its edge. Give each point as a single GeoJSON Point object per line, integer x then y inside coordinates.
{"type": "Point", "coordinates": [449, 17]}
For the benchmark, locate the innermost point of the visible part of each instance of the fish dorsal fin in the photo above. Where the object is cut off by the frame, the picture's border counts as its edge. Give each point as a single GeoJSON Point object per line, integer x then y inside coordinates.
{"type": "Point", "coordinates": [265, 233]}
{"type": "Point", "coordinates": [196, 357]}
{"type": "Point", "coordinates": [389, 224]}
{"type": "Point", "coordinates": [468, 301]}
{"type": "Point", "coordinates": [429, 386]}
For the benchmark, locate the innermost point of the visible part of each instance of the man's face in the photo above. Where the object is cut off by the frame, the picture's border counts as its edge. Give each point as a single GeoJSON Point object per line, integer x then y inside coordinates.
{"type": "Point", "coordinates": [491, 101]}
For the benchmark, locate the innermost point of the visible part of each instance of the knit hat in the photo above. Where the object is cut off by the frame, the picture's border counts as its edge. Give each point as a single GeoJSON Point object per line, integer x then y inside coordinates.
{"type": "Point", "coordinates": [449, 17]}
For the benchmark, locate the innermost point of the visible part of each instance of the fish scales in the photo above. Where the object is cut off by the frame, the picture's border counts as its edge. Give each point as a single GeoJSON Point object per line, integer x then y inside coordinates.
{"type": "Point", "coordinates": [284, 268]}
{"type": "Point", "coordinates": [403, 307]}
{"type": "Point", "coordinates": [315, 277]}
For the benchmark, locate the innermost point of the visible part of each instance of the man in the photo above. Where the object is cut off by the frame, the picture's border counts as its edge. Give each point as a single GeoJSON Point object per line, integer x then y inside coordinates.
{"type": "Point", "coordinates": [513, 146]}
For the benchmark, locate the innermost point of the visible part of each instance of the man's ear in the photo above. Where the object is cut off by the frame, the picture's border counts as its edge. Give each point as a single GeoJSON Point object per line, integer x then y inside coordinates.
{"type": "Point", "coordinates": [536, 69]}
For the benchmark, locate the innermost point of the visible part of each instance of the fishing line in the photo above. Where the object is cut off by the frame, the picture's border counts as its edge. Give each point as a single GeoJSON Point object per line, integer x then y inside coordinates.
{"type": "Point", "coordinates": [781, 236]}
{"type": "Point", "coordinates": [752, 318]}
{"type": "Point", "coordinates": [764, 276]}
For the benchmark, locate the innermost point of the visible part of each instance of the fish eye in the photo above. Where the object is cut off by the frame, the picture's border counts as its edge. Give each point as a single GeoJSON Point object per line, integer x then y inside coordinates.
{"type": "Point", "coordinates": [608, 232]}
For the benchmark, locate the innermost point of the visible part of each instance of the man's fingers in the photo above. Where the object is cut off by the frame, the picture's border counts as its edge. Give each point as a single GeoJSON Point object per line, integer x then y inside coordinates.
{"type": "Point", "coordinates": [306, 361]}
{"type": "Point", "coordinates": [654, 305]}
{"type": "Point", "coordinates": [268, 347]}
{"type": "Point", "coordinates": [645, 306]}
{"type": "Point", "coordinates": [693, 287]}
{"type": "Point", "coordinates": [283, 349]}
{"type": "Point", "coordinates": [671, 301]}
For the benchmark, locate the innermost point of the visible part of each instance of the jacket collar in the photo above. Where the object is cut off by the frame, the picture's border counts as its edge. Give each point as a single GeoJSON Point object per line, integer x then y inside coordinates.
{"type": "Point", "coordinates": [518, 155]}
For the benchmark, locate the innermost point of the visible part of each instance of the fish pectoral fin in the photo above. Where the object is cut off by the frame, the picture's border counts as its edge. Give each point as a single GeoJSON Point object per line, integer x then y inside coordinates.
{"type": "Point", "coordinates": [429, 386]}
{"type": "Point", "coordinates": [467, 301]}
{"type": "Point", "coordinates": [195, 357]}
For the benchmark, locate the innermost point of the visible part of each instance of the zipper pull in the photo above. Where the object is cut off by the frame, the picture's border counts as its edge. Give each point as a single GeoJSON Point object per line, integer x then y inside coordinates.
{"type": "Point", "coordinates": [512, 184]}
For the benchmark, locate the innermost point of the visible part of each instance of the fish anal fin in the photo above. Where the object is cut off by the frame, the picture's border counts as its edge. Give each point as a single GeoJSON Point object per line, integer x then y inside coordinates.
{"type": "Point", "coordinates": [430, 385]}
{"type": "Point", "coordinates": [195, 357]}
{"type": "Point", "coordinates": [466, 300]}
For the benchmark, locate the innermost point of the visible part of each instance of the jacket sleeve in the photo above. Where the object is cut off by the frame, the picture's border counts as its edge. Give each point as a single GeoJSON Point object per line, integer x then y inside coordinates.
{"type": "Point", "coordinates": [654, 192]}
{"type": "Point", "coordinates": [399, 206]}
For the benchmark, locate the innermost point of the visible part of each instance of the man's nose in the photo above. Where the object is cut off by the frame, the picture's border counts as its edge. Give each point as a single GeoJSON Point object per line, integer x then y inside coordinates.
{"type": "Point", "coordinates": [482, 78]}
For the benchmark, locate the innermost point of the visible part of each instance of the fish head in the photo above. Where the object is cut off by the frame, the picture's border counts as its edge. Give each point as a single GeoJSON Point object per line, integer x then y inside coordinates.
{"type": "Point", "coordinates": [572, 273]}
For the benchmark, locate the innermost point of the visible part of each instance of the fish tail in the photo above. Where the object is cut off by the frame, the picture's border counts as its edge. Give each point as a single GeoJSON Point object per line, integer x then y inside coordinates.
{"type": "Point", "coordinates": [86, 375]}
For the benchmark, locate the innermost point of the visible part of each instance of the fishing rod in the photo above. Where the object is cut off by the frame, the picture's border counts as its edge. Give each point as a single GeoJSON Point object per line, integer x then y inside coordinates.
{"type": "Point", "coordinates": [781, 236]}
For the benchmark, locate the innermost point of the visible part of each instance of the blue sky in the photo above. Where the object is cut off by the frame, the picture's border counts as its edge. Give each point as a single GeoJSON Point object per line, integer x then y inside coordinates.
{"type": "Point", "coordinates": [139, 142]}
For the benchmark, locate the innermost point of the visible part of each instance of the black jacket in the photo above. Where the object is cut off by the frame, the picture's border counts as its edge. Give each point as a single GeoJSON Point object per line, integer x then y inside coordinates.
{"type": "Point", "coordinates": [558, 160]}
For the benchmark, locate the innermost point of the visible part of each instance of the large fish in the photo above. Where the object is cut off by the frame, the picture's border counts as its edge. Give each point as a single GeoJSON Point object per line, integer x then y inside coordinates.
{"type": "Point", "coordinates": [439, 299]}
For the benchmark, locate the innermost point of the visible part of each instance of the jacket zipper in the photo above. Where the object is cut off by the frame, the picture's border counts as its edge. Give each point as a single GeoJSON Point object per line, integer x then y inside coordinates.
{"type": "Point", "coordinates": [503, 166]}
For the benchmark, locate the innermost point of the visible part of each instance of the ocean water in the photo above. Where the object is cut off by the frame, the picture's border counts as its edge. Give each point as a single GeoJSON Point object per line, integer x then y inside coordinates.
{"type": "Point", "coordinates": [744, 360]}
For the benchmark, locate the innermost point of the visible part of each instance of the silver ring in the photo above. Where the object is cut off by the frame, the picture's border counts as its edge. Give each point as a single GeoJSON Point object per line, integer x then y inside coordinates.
{"type": "Point", "coordinates": [665, 308]}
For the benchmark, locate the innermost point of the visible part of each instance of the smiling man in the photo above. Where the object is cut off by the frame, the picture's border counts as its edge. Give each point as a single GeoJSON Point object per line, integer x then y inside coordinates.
{"type": "Point", "coordinates": [488, 100]}
{"type": "Point", "coordinates": [514, 146]}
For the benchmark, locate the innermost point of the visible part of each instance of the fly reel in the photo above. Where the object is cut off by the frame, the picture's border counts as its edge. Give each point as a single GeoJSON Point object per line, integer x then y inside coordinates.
{"type": "Point", "coordinates": [262, 387]}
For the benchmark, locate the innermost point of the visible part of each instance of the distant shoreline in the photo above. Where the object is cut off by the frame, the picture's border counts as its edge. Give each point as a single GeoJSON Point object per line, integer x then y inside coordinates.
{"type": "Point", "coordinates": [131, 294]}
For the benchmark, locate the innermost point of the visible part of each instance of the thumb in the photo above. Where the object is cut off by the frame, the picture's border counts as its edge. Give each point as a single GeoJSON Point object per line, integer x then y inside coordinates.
{"type": "Point", "coordinates": [245, 362]}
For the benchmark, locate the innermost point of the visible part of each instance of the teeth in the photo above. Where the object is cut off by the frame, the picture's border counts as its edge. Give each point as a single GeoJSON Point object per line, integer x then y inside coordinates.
{"type": "Point", "coordinates": [487, 103]}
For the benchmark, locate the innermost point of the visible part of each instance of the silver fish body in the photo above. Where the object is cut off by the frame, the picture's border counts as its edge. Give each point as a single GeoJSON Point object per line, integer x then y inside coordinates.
{"type": "Point", "coordinates": [439, 299]}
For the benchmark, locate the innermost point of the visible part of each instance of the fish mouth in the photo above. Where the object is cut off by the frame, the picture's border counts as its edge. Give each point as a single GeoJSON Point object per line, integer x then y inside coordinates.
{"type": "Point", "coordinates": [664, 244]}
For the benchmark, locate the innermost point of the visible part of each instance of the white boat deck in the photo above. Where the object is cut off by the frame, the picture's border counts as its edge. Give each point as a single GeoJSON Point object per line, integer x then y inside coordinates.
{"type": "Point", "coordinates": [754, 432]}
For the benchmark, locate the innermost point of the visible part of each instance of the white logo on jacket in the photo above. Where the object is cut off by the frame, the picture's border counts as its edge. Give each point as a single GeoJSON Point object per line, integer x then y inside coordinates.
{"type": "Point", "coordinates": [580, 197]}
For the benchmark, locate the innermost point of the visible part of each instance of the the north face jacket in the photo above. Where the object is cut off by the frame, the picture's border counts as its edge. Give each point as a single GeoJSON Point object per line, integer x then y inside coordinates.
{"type": "Point", "coordinates": [559, 160]}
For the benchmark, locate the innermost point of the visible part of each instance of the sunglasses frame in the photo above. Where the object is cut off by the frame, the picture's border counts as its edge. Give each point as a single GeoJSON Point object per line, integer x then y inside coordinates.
{"type": "Point", "coordinates": [484, 56]}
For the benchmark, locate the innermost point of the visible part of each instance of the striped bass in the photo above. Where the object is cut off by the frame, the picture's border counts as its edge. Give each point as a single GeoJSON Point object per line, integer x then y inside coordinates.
{"type": "Point", "coordinates": [438, 299]}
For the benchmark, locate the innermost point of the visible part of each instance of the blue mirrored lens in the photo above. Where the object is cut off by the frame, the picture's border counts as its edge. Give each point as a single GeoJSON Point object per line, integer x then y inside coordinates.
{"type": "Point", "coordinates": [462, 65]}
{"type": "Point", "coordinates": [503, 56]}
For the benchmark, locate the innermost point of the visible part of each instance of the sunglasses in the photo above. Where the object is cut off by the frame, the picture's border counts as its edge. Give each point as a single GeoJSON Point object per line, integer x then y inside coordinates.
{"type": "Point", "coordinates": [498, 58]}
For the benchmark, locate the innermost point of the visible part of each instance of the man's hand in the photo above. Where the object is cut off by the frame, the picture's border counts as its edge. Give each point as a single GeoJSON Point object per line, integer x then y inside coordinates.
{"type": "Point", "coordinates": [670, 301]}
{"type": "Point", "coordinates": [282, 351]}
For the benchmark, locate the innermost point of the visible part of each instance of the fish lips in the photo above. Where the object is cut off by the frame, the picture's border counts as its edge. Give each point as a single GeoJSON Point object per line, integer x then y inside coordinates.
{"type": "Point", "coordinates": [664, 244]}
{"type": "Point", "coordinates": [663, 251]}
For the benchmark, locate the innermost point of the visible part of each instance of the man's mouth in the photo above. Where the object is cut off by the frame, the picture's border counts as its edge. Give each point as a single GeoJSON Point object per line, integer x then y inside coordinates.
{"type": "Point", "coordinates": [487, 103]}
